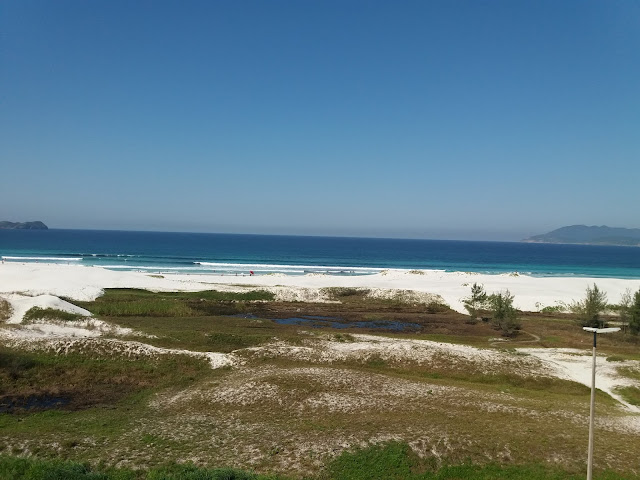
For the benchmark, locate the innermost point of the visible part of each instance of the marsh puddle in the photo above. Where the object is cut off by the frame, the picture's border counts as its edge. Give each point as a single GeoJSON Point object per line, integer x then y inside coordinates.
{"type": "Point", "coordinates": [319, 321]}
{"type": "Point", "coordinates": [32, 402]}
{"type": "Point", "coordinates": [335, 322]}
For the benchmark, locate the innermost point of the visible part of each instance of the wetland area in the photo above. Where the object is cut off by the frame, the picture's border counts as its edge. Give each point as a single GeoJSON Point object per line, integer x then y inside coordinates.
{"type": "Point", "coordinates": [168, 381]}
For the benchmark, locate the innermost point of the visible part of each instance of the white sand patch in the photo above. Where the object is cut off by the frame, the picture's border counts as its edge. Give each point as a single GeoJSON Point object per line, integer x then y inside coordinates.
{"type": "Point", "coordinates": [109, 347]}
{"type": "Point", "coordinates": [51, 327]}
{"type": "Point", "coordinates": [406, 296]}
{"type": "Point", "coordinates": [327, 388]}
{"type": "Point", "coordinates": [567, 364]}
{"type": "Point", "coordinates": [299, 294]}
{"type": "Point", "coordinates": [49, 330]}
{"type": "Point", "coordinates": [576, 365]}
{"type": "Point", "coordinates": [23, 303]}
{"type": "Point", "coordinates": [399, 351]}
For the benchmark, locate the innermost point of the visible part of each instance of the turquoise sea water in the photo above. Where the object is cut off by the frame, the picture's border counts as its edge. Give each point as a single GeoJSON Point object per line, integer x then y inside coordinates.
{"type": "Point", "coordinates": [160, 252]}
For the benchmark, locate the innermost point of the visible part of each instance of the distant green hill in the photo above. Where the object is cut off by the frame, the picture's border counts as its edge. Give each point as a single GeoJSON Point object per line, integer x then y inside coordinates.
{"type": "Point", "coordinates": [23, 226]}
{"type": "Point", "coordinates": [590, 235]}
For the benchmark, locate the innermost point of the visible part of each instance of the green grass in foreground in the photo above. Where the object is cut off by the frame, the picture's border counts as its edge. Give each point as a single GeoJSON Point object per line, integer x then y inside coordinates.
{"type": "Point", "coordinates": [12, 468]}
{"type": "Point", "coordinates": [396, 461]}
{"type": "Point", "coordinates": [393, 461]}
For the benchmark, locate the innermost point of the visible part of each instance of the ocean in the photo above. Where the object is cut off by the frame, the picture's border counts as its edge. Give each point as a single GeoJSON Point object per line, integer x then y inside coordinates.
{"type": "Point", "coordinates": [199, 253]}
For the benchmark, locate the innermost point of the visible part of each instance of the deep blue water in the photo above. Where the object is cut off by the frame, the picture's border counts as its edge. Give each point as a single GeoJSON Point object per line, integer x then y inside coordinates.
{"type": "Point", "coordinates": [230, 254]}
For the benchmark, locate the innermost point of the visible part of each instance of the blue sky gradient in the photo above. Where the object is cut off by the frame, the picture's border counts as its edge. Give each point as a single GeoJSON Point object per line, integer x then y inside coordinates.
{"type": "Point", "coordinates": [441, 119]}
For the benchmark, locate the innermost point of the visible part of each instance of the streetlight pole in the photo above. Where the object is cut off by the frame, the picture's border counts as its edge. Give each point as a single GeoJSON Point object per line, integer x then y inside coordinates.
{"type": "Point", "coordinates": [592, 409]}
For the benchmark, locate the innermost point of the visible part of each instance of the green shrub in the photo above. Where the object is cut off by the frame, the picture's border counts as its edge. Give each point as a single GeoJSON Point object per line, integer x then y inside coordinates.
{"type": "Point", "coordinates": [634, 314]}
{"type": "Point", "coordinates": [476, 303]}
{"type": "Point", "coordinates": [589, 311]}
{"type": "Point", "coordinates": [341, 292]}
{"type": "Point", "coordinates": [553, 309]}
{"type": "Point", "coordinates": [37, 313]}
{"type": "Point", "coordinates": [504, 315]}
{"type": "Point", "coordinates": [437, 307]}
{"type": "Point", "coordinates": [5, 310]}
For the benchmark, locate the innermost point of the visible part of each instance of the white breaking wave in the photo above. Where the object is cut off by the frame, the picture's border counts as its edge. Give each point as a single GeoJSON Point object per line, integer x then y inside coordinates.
{"type": "Point", "coordinates": [257, 266]}
{"type": "Point", "coordinates": [55, 259]}
{"type": "Point", "coordinates": [148, 267]}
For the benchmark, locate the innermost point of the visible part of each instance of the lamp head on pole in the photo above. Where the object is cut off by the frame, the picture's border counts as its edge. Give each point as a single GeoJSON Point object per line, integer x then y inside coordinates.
{"type": "Point", "coordinates": [601, 330]}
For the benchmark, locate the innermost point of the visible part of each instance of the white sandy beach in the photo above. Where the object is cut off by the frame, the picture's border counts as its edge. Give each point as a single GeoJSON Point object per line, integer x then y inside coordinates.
{"type": "Point", "coordinates": [86, 283]}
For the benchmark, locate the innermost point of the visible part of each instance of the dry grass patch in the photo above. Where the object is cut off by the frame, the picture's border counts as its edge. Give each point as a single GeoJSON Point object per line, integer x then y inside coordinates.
{"type": "Point", "coordinates": [291, 415]}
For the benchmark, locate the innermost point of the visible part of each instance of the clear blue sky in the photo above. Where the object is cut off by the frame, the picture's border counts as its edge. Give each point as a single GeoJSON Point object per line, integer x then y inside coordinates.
{"type": "Point", "coordinates": [434, 119]}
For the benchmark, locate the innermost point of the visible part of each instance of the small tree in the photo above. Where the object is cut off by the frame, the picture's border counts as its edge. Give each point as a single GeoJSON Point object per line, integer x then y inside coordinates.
{"type": "Point", "coordinates": [476, 303]}
{"type": "Point", "coordinates": [589, 311]}
{"type": "Point", "coordinates": [626, 301]}
{"type": "Point", "coordinates": [504, 314]}
{"type": "Point", "coordinates": [634, 314]}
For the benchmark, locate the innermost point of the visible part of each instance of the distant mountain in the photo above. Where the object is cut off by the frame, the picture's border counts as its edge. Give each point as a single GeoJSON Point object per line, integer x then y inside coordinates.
{"type": "Point", "coordinates": [23, 226]}
{"type": "Point", "coordinates": [593, 235]}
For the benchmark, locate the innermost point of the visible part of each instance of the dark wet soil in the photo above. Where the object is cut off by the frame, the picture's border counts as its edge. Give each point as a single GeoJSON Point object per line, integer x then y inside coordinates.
{"type": "Point", "coordinates": [366, 316]}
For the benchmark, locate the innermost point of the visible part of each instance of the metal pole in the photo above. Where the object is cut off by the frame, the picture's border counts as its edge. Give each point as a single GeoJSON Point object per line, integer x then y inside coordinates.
{"type": "Point", "coordinates": [592, 412]}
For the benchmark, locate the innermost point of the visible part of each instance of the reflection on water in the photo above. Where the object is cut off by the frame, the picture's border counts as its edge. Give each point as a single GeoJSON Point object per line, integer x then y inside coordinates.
{"type": "Point", "coordinates": [335, 322]}
{"type": "Point", "coordinates": [31, 402]}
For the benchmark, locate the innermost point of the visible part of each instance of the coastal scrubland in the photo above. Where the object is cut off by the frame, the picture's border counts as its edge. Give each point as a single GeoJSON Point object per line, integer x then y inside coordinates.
{"type": "Point", "coordinates": [353, 387]}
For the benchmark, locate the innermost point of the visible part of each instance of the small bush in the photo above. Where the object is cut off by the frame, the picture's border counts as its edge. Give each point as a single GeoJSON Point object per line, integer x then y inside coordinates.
{"type": "Point", "coordinates": [437, 307]}
{"type": "Point", "coordinates": [554, 309]}
{"type": "Point", "coordinates": [338, 292]}
{"type": "Point", "coordinates": [5, 310]}
{"type": "Point", "coordinates": [476, 303]}
{"type": "Point", "coordinates": [589, 311]}
{"type": "Point", "coordinates": [504, 315]}
{"type": "Point", "coordinates": [634, 314]}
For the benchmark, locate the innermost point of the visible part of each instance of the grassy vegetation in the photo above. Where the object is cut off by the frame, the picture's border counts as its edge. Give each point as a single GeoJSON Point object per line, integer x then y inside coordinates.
{"type": "Point", "coordinates": [83, 382]}
{"type": "Point", "coordinates": [392, 461]}
{"type": "Point", "coordinates": [207, 334]}
{"type": "Point", "coordinates": [37, 313]}
{"type": "Point", "coordinates": [339, 293]}
{"type": "Point", "coordinates": [142, 303]}
{"type": "Point", "coordinates": [630, 394]}
{"type": "Point", "coordinates": [396, 461]}
{"type": "Point", "coordinates": [5, 310]}
{"type": "Point", "coordinates": [293, 415]}
{"type": "Point", "coordinates": [12, 468]}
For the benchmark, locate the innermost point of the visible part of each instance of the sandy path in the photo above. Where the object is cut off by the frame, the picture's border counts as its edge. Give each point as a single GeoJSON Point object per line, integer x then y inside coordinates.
{"type": "Point", "coordinates": [576, 365]}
